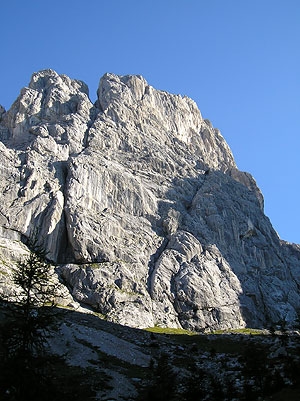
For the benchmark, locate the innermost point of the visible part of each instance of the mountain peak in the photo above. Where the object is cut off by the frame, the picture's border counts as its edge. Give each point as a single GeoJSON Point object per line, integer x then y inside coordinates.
{"type": "Point", "coordinates": [139, 202]}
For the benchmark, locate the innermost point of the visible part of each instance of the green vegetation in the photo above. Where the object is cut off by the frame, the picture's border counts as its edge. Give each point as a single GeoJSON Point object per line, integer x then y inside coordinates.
{"type": "Point", "coordinates": [94, 265]}
{"type": "Point", "coordinates": [214, 364]}
{"type": "Point", "coordinates": [170, 330]}
{"type": "Point", "coordinates": [218, 340]}
{"type": "Point", "coordinates": [246, 331]}
{"type": "Point", "coordinates": [178, 331]}
{"type": "Point", "coordinates": [25, 324]}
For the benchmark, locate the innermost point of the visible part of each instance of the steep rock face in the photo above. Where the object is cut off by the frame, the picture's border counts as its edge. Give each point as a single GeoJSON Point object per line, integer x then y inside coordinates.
{"type": "Point", "coordinates": [44, 127]}
{"type": "Point", "coordinates": [139, 201]}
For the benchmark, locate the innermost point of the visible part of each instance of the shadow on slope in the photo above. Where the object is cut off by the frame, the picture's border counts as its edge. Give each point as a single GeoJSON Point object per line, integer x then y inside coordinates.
{"type": "Point", "coordinates": [225, 218]}
{"type": "Point", "coordinates": [218, 360]}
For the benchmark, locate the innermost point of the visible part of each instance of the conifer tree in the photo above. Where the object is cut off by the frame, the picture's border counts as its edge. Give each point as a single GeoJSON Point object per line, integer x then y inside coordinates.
{"type": "Point", "coordinates": [26, 322]}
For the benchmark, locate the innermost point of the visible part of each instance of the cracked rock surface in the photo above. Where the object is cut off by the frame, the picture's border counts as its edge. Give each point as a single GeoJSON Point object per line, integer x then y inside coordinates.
{"type": "Point", "coordinates": [138, 201]}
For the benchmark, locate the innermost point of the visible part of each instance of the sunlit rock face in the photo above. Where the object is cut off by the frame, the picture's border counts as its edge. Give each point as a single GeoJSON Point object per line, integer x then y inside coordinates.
{"type": "Point", "coordinates": [138, 201]}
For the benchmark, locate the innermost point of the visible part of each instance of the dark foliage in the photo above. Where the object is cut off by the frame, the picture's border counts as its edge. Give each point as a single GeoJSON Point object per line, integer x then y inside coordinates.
{"type": "Point", "coordinates": [25, 324]}
{"type": "Point", "coordinates": [162, 386]}
{"type": "Point", "coordinates": [28, 318]}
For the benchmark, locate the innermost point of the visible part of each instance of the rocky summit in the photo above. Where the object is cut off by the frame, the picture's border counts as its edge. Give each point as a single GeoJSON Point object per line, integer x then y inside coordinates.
{"type": "Point", "coordinates": [140, 207]}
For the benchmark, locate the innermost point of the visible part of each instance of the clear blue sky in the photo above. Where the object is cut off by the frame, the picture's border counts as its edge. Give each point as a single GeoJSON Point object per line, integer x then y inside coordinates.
{"type": "Point", "coordinates": [238, 59]}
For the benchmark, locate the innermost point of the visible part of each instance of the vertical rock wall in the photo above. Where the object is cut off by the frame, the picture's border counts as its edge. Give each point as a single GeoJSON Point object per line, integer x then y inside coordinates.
{"type": "Point", "coordinates": [138, 199]}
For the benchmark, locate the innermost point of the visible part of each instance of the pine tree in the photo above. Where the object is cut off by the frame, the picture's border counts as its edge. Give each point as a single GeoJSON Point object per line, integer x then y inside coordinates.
{"type": "Point", "coordinates": [25, 325]}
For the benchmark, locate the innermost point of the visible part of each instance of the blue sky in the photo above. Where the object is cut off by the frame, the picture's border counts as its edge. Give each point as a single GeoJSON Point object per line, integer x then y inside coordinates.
{"type": "Point", "coordinates": [239, 60]}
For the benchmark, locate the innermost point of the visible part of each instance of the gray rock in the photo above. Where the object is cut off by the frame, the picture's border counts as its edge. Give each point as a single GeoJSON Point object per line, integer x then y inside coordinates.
{"type": "Point", "coordinates": [139, 201]}
{"type": "Point", "coordinates": [2, 112]}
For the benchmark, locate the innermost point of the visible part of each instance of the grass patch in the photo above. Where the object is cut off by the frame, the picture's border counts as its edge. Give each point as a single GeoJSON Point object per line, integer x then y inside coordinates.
{"type": "Point", "coordinates": [170, 330]}
{"type": "Point", "coordinates": [219, 341]}
{"type": "Point", "coordinates": [100, 315]}
{"type": "Point", "coordinates": [179, 331]}
{"type": "Point", "coordinates": [246, 331]}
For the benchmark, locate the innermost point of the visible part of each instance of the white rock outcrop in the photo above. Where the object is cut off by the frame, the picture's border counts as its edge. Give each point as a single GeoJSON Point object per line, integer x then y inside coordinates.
{"type": "Point", "coordinates": [138, 199]}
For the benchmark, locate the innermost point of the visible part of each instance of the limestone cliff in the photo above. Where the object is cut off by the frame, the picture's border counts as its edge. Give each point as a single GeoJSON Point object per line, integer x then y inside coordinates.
{"type": "Point", "coordinates": [139, 203]}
